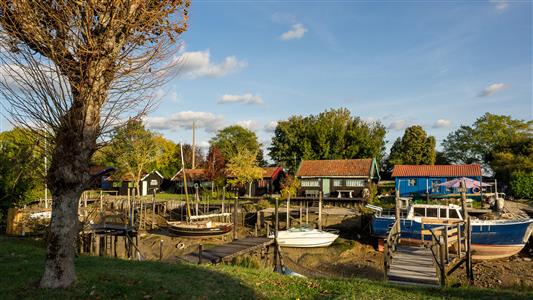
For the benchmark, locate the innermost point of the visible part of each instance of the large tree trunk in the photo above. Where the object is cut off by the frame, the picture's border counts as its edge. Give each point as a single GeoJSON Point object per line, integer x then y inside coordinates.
{"type": "Point", "coordinates": [59, 271]}
{"type": "Point", "coordinates": [67, 178]}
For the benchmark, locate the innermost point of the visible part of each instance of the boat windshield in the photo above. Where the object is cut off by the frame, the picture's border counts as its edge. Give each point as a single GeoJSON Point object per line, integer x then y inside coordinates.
{"type": "Point", "coordinates": [300, 229]}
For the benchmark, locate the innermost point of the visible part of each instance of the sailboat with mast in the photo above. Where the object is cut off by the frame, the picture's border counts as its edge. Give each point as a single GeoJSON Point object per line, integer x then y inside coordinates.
{"type": "Point", "coordinates": [197, 225]}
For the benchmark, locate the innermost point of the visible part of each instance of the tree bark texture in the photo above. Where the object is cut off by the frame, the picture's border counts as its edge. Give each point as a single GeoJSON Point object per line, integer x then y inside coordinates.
{"type": "Point", "coordinates": [68, 177]}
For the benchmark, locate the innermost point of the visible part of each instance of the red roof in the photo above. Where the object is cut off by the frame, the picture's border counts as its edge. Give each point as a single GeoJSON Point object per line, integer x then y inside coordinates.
{"type": "Point", "coordinates": [194, 174]}
{"type": "Point", "coordinates": [271, 172]}
{"type": "Point", "coordinates": [436, 171]}
{"type": "Point", "coordinates": [338, 167]}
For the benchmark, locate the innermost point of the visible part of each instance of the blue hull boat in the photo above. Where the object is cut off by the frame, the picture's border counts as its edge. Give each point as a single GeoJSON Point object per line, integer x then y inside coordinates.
{"type": "Point", "coordinates": [491, 239]}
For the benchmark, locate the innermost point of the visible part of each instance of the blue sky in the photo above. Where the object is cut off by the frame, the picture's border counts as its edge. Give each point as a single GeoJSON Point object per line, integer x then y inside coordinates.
{"type": "Point", "coordinates": [438, 64]}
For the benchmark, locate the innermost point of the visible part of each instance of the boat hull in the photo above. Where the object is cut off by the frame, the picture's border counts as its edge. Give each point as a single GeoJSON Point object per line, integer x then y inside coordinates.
{"type": "Point", "coordinates": [489, 240]}
{"type": "Point", "coordinates": [311, 239]}
{"type": "Point", "coordinates": [184, 229]}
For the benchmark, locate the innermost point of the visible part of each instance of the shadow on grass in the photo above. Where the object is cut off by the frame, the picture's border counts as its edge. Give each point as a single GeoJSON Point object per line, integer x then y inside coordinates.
{"type": "Point", "coordinates": [107, 278]}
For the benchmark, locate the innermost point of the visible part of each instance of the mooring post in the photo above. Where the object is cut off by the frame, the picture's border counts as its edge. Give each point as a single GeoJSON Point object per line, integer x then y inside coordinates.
{"type": "Point", "coordinates": [200, 253]}
{"type": "Point", "coordinates": [160, 250]}
{"type": "Point", "coordinates": [101, 203]}
{"type": "Point", "coordinates": [276, 224]}
{"type": "Point", "coordinates": [255, 230]}
{"type": "Point", "coordinates": [397, 211]}
{"type": "Point", "coordinates": [301, 211]}
{"type": "Point", "coordinates": [469, 252]}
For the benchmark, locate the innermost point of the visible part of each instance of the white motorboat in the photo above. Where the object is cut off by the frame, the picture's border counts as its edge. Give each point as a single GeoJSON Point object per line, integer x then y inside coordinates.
{"type": "Point", "coordinates": [305, 237]}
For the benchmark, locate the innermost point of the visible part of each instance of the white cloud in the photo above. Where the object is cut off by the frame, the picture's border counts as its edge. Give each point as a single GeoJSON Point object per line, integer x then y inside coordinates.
{"type": "Point", "coordinates": [245, 98]}
{"type": "Point", "coordinates": [198, 64]}
{"type": "Point", "coordinates": [442, 123]}
{"type": "Point", "coordinates": [248, 124]}
{"type": "Point", "coordinates": [271, 126]}
{"type": "Point", "coordinates": [398, 125]}
{"type": "Point", "coordinates": [492, 89]}
{"type": "Point", "coordinates": [297, 32]}
{"type": "Point", "coordinates": [500, 5]}
{"type": "Point", "coordinates": [184, 119]}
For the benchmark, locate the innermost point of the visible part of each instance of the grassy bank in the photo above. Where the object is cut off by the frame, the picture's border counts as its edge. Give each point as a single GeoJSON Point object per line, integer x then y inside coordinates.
{"type": "Point", "coordinates": [21, 263]}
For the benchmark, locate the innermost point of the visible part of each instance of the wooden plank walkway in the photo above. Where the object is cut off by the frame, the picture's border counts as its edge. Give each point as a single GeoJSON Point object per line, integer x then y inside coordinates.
{"type": "Point", "coordinates": [413, 265]}
{"type": "Point", "coordinates": [228, 251]}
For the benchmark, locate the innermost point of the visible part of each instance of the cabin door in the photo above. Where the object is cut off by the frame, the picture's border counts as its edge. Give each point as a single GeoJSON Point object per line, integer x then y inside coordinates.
{"type": "Point", "coordinates": [145, 188]}
{"type": "Point", "coordinates": [325, 187]}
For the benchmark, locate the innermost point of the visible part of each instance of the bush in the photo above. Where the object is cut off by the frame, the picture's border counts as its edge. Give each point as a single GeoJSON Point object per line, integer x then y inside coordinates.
{"type": "Point", "coordinates": [522, 185]}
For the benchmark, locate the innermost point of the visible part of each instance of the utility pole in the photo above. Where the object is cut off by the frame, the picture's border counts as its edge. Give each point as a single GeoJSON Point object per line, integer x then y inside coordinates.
{"type": "Point", "coordinates": [193, 145]}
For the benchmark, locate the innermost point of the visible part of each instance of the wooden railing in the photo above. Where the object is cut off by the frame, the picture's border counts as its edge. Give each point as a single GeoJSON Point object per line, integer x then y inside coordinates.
{"type": "Point", "coordinates": [389, 246]}
{"type": "Point", "coordinates": [455, 234]}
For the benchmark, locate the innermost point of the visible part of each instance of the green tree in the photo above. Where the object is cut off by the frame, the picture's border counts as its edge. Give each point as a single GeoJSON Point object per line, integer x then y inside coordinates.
{"type": "Point", "coordinates": [522, 185]}
{"type": "Point", "coordinates": [244, 169]}
{"type": "Point", "coordinates": [332, 134]}
{"type": "Point", "coordinates": [232, 139]}
{"type": "Point", "coordinates": [168, 160]}
{"type": "Point", "coordinates": [21, 168]}
{"type": "Point", "coordinates": [414, 148]}
{"type": "Point", "coordinates": [133, 151]}
{"type": "Point", "coordinates": [499, 143]}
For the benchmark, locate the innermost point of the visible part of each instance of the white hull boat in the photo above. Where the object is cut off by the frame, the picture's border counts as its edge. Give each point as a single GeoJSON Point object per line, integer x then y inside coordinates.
{"type": "Point", "coordinates": [305, 238]}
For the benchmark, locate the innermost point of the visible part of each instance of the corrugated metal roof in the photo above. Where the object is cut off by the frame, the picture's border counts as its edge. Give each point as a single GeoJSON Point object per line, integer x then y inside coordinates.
{"type": "Point", "coordinates": [436, 171]}
{"type": "Point", "coordinates": [337, 167]}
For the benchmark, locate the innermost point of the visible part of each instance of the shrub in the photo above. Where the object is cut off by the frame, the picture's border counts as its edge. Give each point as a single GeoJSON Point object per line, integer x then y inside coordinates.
{"type": "Point", "coordinates": [522, 185]}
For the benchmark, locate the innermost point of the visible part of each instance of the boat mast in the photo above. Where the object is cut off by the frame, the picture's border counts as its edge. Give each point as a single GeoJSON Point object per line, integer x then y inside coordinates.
{"type": "Point", "coordinates": [185, 185]}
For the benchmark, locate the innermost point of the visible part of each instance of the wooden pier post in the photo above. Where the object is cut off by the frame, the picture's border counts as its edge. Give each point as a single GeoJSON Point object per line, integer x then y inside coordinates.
{"type": "Point", "coordinates": [320, 211]}
{"type": "Point", "coordinates": [397, 211]}
{"type": "Point", "coordinates": [288, 225]}
{"type": "Point", "coordinates": [101, 203]}
{"type": "Point", "coordinates": [301, 211]}
{"type": "Point", "coordinates": [442, 259]}
{"type": "Point", "coordinates": [235, 203]}
{"type": "Point", "coordinates": [153, 210]}
{"type": "Point", "coordinates": [306, 212]}
{"type": "Point", "coordinates": [276, 246]}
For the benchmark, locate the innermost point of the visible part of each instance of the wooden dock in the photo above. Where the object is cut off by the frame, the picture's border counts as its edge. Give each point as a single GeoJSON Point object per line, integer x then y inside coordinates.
{"type": "Point", "coordinates": [413, 265]}
{"type": "Point", "coordinates": [228, 251]}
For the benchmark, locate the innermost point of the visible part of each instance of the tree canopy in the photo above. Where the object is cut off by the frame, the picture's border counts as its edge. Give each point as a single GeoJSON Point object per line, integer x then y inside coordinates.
{"type": "Point", "coordinates": [243, 169]}
{"type": "Point", "coordinates": [232, 139]}
{"type": "Point", "coordinates": [415, 147]}
{"type": "Point", "coordinates": [491, 140]}
{"type": "Point", "coordinates": [332, 134]}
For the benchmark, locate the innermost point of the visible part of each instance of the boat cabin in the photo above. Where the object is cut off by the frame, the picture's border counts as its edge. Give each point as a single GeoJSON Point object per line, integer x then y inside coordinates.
{"type": "Point", "coordinates": [428, 211]}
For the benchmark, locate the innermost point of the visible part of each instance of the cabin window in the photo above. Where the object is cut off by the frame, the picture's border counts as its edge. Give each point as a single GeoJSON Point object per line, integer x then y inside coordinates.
{"type": "Point", "coordinates": [453, 214]}
{"type": "Point", "coordinates": [153, 182]}
{"type": "Point", "coordinates": [443, 213]}
{"type": "Point", "coordinates": [337, 182]}
{"type": "Point", "coordinates": [310, 182]}
{"type": "Point", "coordinates": [411, 182]}
{"type": "Point", "coordinates": [420, 212]}
{"type": "Point", "coordinates": [434, 187]}
{"type": "Point", "coordinates": [355, 182]}
{"type": "Point", "coordinates": [431, 212]}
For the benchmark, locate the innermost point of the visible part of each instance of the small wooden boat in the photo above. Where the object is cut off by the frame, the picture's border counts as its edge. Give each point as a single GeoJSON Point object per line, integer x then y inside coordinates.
{"type": "Point", "coordinates": [305, 237]}
{"type": "Point", "coordinates": [202, 228]}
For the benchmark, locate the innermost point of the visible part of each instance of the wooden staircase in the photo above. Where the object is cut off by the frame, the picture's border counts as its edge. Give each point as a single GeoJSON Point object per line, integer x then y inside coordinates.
{"type": "Point", "coordinates": [431, 263]}
{"type": "Point", "coordinates": [413, 265]}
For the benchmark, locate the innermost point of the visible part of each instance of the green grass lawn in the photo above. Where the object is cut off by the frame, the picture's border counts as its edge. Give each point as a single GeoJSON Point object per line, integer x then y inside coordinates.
{"type": "Point", "coordinates": [21, 264]}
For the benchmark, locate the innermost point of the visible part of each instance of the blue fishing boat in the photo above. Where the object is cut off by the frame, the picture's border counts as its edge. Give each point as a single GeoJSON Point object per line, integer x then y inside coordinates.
{"type": "Point", "coordinates": [491, 239]}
